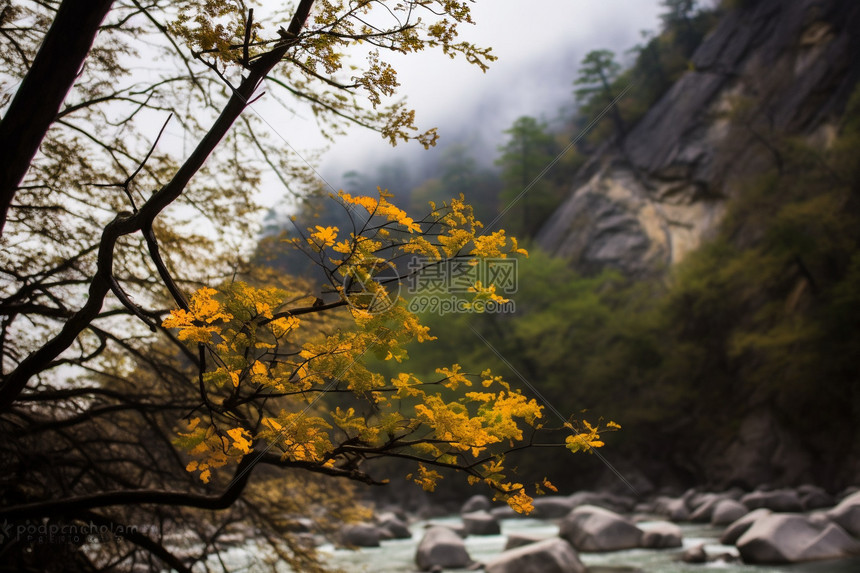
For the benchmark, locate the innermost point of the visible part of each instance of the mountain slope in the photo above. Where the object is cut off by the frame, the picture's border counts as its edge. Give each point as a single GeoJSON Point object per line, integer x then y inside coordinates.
{"type": "Point", "coordinates": [769, 71]}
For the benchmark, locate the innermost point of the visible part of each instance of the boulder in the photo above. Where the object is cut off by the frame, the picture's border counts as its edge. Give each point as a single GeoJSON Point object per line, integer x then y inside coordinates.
{"type": "Point", "coordinates": [476, 503]}
{"type": "Point", "coordinates": [441, 547]}
{"type": "Point", "coordinates": [674, 509]}
{"type": "Point", "coordinates": [662, 535]}
{"type": "Point", "coordinates": [739, 527]}
{"type": "Point", "coordinates": [480, 523]}
{"type": "Point", "coordinates": [551, 507]}
{"type": "Point", "coordinates": [695, 555]}
{"type": "Point", "coordinates": [815, 499]}
{"type": "Point", "coordinates": [361, 535]}
{"type": "Point", "coordinates": [591, 528]}
{"type": "Point", "coordinates": [617, 503]}
{"type": "Point", "coordinates": [548, 556]}
{"type": "Point", "coordinates": [505, 512]}
{"type": "Point", "coordinates": [847, 514]}
{"type": "Point", "coordinates": [793, 538]}
{"type": "Point", "coordinates": [703, 511]}
{"type": "Point", "coordinates": [394, 525]}
{"type": "Point", "coordinates": [727, 511]}
{"type": "Point", "coordinates": [520, 539]}
{"type": "Point", "coordinates": [457, 528]}
{"type": "Point", "coordinates": [781, 500]}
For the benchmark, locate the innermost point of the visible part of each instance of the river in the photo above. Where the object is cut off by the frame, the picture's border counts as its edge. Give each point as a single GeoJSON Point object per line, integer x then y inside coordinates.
{"type": "Point", "coordinates": [398, 555]}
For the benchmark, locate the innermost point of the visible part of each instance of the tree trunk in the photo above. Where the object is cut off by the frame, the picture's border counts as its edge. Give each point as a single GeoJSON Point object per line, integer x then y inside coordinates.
{"type": "Point", "coordinates": [43, 90]}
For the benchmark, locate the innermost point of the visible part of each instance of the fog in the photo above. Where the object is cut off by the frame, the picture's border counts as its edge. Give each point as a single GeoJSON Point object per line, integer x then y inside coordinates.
{"type": "Point", "coordinates": [539, 49]}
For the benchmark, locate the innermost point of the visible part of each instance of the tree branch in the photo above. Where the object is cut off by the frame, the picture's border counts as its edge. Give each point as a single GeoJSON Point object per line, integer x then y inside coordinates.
{"type": "Point", "coordinates": [37, 101]}
{"type": "Point", "coordinates": [37, 361]}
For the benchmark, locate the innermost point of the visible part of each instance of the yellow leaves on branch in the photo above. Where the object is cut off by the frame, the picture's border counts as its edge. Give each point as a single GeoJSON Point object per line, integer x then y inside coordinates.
{"type": "Point", "coordinates": [587, 440]}
{"type": "Point", "coordinates": [196, 324]}
{"type": "Point", "coordinates": [249, 332]}
{"type": "Point", "coordinates": [323, 236]}
{"type": "Point", "coordinates": [426, 478]}
{"type": "Point", "coordinates": [211, 449]}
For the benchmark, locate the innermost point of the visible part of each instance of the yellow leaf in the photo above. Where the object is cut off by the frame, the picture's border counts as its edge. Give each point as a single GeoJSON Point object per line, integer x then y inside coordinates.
{"type": "Point", "coordinates": [239, 441]}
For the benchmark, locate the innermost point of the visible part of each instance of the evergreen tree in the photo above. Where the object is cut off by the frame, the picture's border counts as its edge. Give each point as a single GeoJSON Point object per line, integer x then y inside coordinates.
{"type": "Point", "coordinates": [527, 153]}
{"type": "Point", "coordinates": [597, 72]}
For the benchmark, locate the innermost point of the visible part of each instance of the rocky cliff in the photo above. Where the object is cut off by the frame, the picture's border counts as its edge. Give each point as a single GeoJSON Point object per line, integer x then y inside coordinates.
{"type": "Point", "coordinates": [770, 69]}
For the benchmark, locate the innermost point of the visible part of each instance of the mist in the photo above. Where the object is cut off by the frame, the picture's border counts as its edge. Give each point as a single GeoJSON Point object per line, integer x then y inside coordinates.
{"type": "Point", "coordinates": [538, 61]}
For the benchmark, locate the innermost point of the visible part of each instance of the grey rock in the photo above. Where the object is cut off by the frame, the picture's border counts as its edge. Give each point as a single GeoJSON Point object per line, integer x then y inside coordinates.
{"type": "Point", "coordinates": [397, 528]}
{"type": "Point", "coordinates": [481, 523]}
{"type": "Point", "coordinates": [814, 497]}
{"type": "Point", "coordinates": [793, 538]}
{"type": "Point", "coordinates": [457, 528]}
{"type": "Point", "coordinates": [662, 535]}
{"type": "Point", "coordinates": [592, 528]}
{"type": "Point", "coordinates": [739, 527]}
{"type": "Point", "coordinates": [674, 508]}
{"type": "Point", "coordinates": [695, 555]}
{"type": "Point", "coordinates": [520, 539]}
{"type": "Point", "coordinates": [616, 503]}
{"type": "Point", "coordinates": [505, 512]}
{"type": "Point", "coordinates": [705, 509]}
{"type": "Point", "coordinates": [441, 547]}
{"type": "Point", "coordinates": [476, 503]}
{"type": "Point", "coordinates": [549, 556]}
{"type": "Point", "coordinates": [551, 507]}
{"type": "Point", "coordinates": [727, 511]}
{"type": "Point", "coordinates": [781, 500]}
{"type": "Point", "coordinates": [847, 514]}
{"type": "Point", "coordinates": [361, 535]}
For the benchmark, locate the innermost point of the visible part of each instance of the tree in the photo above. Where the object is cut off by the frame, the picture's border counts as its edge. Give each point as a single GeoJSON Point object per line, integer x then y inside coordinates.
{"type": "Point", "coordinates": [460, 174]}
{"type": "Point", "coordinates": [679, 18]}
{"type": "Point", "coordinates": [597, 72]}
{"type": "Point", "coordinates": [136, 398]}
{"type": "Point", "coordinates": [524, 159]}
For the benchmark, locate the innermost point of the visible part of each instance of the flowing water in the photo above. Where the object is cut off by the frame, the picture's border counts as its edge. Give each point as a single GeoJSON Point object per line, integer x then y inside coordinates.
{"type": "Point", "coordinates": [398, 556]}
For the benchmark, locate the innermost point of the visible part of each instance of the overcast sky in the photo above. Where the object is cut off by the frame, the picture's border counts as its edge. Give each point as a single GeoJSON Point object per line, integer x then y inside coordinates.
{"type": "Point", "coordinates": [539, 44]}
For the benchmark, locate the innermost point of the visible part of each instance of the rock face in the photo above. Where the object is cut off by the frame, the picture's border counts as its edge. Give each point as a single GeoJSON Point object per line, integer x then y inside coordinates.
{"type": "Point", "coordinates": [642, 208]}
{"type": "Point", "coordinates": [592, 528]}
{"type": "Point", "coordinates": [763, 450]}
{"type": "Point", "coordinates": [792, 538]}
{"type": "Point", "coordinates": [441, 547]}
{"type": "Point", "coordinates": [549, 556]}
